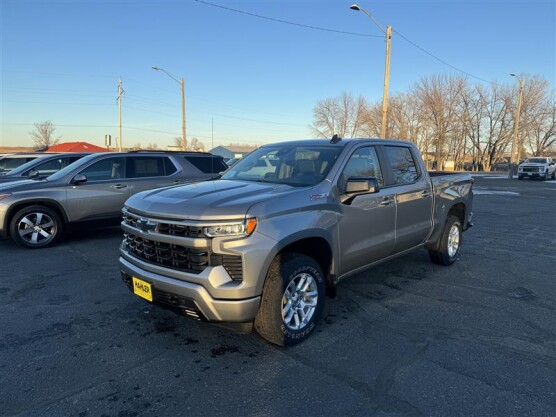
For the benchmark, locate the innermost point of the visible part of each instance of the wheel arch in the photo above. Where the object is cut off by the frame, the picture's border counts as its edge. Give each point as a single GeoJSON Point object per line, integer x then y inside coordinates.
{"type": "Point", "coordinates": [459, 209]}
{"type": "Point", "coordinates": [317, 247]}
{"type": "Point", "coordinates": [52, 204]}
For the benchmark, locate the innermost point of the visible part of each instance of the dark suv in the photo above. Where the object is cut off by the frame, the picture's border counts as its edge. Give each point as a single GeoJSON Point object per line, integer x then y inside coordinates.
{"type": "Point", "coordinates": [41, 167]}
{"type": "Point", "coordinates": [34, 212]}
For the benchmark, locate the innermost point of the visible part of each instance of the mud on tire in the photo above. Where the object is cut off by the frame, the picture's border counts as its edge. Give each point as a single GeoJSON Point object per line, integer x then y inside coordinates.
{"type": "Point", "coordinates": [292, 299]}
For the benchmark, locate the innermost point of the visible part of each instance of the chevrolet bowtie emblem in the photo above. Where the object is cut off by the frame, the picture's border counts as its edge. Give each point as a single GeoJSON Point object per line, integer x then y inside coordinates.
{"type": "Point", "coordinates": [145, 225]}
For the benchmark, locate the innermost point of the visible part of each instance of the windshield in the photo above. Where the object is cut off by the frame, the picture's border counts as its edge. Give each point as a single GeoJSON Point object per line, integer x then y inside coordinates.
{"type": "Point", "coordinates": [62, 173]}
{"type": "Point", "coordinates": [285, 164]}
{"type": "Point", "coordinates": [536, 160]}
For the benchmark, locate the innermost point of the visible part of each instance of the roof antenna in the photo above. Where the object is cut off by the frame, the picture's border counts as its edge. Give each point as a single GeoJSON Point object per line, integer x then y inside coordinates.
{"type": "Point", "coordinates": [335, 139]}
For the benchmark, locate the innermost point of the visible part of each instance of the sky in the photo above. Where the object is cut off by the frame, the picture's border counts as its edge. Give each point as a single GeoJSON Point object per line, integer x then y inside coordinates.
{"type": "Point", "coordinates": [248, 80]}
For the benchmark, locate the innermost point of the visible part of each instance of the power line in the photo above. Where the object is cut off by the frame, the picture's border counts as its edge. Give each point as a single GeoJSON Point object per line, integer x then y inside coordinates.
{"type": "Point", "coordinates": [272, 19]}
{"type": "Point", "coordinates": [441, 60]}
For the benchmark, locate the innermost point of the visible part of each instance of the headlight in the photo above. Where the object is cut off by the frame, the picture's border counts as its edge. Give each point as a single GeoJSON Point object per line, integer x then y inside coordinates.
{"type": "Point", "coordinates": [231, 229]}
{"type": "Point", "coordinates": [520, 168]}
{"type": "Point", "coordinates": [3, 196]}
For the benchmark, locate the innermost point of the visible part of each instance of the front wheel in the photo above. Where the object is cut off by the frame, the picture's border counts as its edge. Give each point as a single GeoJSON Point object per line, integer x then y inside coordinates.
{"type": "Point", "coordinates": [35, 227]}
{"type": "Point", "coordinates": [292, 300]}
{"type": "Point", "coordinates": [450, 243]}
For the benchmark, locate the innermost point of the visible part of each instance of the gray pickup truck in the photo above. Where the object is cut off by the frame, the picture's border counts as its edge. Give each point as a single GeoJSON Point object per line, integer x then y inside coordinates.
{"type": "Point", "coordinates": [266, 242]}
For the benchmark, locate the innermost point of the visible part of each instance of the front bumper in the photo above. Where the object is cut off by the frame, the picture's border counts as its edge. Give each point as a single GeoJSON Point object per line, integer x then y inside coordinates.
{"type": "Point", "coordinates": [192, 299]}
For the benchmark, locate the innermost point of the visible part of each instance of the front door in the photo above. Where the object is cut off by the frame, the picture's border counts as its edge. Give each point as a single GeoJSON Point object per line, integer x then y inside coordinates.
{"type": "Point", "coordinates": [367, 222]}
{"type": "Point", "coordinates": [103, 194]}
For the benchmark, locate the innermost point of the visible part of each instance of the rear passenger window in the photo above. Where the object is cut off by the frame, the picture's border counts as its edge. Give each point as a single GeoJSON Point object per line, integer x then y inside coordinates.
{"type": "Point", "coordinates": [404, 169]}
{"type": "Point", "coordinates": [207, 164]}
{"type": "Point", "coordinates": [145, 166]}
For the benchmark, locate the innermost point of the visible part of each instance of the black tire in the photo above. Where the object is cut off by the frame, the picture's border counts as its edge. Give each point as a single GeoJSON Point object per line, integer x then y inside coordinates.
{"type": "Point", "coordinates": [546, 176]}
{"type": "Point", "coordinates": [553, 175]}
{"type": "Point", "coordinates": [520, 177]}
{"type": "Point", "coordinates": [44, 227]}
{"type": "Point", "coordinates": [448, 249]}
{"type": "Point", "coordinates": [286, 272]}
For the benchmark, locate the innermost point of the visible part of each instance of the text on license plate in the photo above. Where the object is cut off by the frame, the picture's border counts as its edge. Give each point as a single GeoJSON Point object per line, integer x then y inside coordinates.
{"type": "Point", "coordinates": [142, 289]}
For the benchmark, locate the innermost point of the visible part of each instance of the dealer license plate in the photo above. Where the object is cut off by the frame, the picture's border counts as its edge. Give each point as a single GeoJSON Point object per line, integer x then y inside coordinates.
{"type": "Point", "coordinates": [142, 289]}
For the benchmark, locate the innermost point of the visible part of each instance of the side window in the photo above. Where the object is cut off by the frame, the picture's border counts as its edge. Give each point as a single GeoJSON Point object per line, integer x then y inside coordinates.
{"type": "Point", "coordinates": [106, 169]}
{"type": "Point", "coordinates": [207, 164]}
{"type": "Point", "coordinates": [362, 163]}
{"type": "Point", "coordinates": [404, 169]}
{"type": "Point", "coordinates": [145, 166]}
{"type": "Point", "coordinates": [48, 167]}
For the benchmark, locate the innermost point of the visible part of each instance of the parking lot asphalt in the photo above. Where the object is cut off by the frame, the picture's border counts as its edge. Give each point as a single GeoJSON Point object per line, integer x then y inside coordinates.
{"type": "Point", "coordinates": [407, 338]}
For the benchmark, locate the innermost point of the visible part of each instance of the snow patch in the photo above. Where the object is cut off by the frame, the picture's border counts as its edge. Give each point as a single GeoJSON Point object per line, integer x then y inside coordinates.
{"type": "Point", "coordinates": [492, 192]}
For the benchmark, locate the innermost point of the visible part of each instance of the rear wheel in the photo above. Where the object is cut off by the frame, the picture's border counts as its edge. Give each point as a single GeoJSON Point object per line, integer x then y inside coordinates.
{"type": "Point", "coordinates": [450, 243]}
{"type": "Point", "coordinates": [35, 227]}
{"type": "Point", "coordinates": [292, 300]}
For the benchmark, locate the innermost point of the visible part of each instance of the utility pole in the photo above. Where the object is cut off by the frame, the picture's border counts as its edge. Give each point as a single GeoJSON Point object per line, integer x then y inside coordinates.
{"type": "Point", "coordinates": [182, 84]}
{"type": "Point", "coordinates": [388, 34]}
{"type": "Point", "coordinates": [120, 93]}
{"type": "Point", "coordinates": [386, 82]}
{"type": "Point", "coordinates": [516, 127]}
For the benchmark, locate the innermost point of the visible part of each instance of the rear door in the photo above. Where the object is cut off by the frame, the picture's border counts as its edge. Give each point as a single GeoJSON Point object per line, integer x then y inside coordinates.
{"type": "Point", "coordinates": [147, 172]}
{"type": "Point", "coordinates": [103, 194]}
{"type": "Point", "coordinates": [367, 222]}
{"type": "Point", "coordinates": [413, 193]}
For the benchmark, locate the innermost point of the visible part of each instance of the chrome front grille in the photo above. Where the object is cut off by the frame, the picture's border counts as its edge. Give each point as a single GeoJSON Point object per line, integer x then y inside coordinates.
{"type": "Point", "coordinates": [175, 255]}
{"type": "Point", "coordinates": [531, 169]}
{"type": "Point", "coordinates": [164, 228]}
{"type": "Point", "coordinates": [169, 255]}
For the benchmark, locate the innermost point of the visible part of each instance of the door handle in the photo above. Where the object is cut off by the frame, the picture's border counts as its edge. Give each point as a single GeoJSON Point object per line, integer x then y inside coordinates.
{"type": "Point", "coordinates": [425, 194]}
{"type": "Point", "coordinates": [119, 186]}
{"type": "Point", "coordinates": [179, 181]}
{"type": "Point", "coordinates": [386, 201]}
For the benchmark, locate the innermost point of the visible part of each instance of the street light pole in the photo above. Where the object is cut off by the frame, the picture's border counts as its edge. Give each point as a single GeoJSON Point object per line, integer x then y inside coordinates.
{"type": "Point", "coordinates": [388, 34]}
{"type": "Point", "coordinates": [516, 127]}
{"type": "Point", "coordinates": [181, 82]}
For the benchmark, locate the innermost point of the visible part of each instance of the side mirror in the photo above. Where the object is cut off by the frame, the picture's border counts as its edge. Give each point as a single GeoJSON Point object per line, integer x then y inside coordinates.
{"type": "Point", "coordinates": [361, 185]}
{"type": "Point", "coordinates": [33, 173]}
{"type": "Point", "coordinates": [79, 179]}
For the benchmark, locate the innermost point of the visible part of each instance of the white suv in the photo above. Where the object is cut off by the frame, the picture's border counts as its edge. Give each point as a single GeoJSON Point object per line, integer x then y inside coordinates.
{"type": "Point", "coordinates": [537, 167]}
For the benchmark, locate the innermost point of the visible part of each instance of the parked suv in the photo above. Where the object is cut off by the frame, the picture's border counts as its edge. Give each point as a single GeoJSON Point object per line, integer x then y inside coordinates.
{"type": "Point", "coordinates": [41, 167]}
{"type": "Point", "coordinates": [538, 167]}
{"type": "Point", "coordinates": [34, 213]}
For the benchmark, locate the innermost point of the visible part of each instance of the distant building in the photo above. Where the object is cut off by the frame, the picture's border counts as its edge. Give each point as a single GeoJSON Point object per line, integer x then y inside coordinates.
{"type": "Point", "coordinates": [76, 147]}
{"type": "Point", "coordinates": [232, 151]}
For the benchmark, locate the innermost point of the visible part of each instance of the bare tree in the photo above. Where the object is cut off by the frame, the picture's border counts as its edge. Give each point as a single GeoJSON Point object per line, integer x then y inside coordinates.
{"type": "Point", "coordinates": [440, 97]}
{"type": "Point", "coordinates": [196, 145]}
{"type": "Point", "coordinates": [43, 135]}
{"type": "Point", "coordinates": [343, 115]}
{"type": "Point", "coordinates": [152, 146]}
{"type": "Point", "coordinates": [193, 144]}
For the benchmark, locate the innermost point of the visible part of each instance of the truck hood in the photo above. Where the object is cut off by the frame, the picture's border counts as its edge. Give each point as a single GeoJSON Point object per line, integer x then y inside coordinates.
{"type": "Point", "coordinates": [210, 200]}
